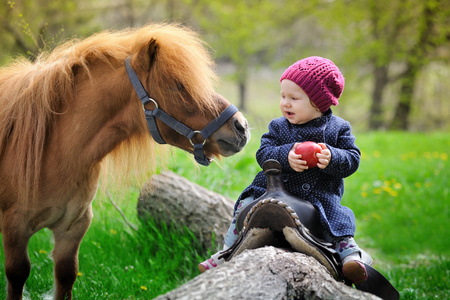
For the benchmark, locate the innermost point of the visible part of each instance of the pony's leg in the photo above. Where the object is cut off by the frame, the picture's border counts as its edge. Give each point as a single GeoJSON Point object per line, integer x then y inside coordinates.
{"type": "Point", "coordinates": [17, 262]}
{"type": "Point", "coordinates": [65, 254]}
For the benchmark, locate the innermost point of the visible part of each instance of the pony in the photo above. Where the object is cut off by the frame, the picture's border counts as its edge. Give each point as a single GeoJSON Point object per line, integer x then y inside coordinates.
{"type": "Point", "coordinates": [71, 109]}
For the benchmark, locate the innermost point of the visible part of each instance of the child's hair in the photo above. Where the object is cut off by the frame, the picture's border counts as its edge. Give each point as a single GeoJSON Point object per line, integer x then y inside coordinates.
{"type": "Point", "coordinates": [319, 78]}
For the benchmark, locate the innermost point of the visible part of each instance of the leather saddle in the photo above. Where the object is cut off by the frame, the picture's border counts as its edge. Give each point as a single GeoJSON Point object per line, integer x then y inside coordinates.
{"type": "Point", "coordinates": [280, 219]}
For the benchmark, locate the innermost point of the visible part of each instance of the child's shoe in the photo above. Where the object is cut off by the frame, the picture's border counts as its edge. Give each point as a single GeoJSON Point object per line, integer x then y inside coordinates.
{"type": "Point", "coordinates": [213, 262]}
{"type": "Point", "coordinates": [354, 269]}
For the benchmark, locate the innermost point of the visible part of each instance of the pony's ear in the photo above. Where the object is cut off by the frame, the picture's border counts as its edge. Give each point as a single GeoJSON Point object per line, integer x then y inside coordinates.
{"type": "Point", "coordinates": [146, 55]}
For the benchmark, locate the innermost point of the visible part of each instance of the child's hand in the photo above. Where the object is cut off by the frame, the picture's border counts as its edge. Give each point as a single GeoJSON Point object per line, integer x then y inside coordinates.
{"type": "Point", "coordinates": [324, 156]}
{"type": "Point", "coordinates": [295, 161]}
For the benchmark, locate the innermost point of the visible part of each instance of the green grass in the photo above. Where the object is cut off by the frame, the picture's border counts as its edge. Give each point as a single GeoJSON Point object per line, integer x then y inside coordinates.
{"type": "Point", "coordinates": [400, 196]}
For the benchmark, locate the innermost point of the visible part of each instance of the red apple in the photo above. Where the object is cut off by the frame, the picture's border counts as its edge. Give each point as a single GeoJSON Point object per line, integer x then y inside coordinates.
{"type": "Point", "coordinates": [308, 150]}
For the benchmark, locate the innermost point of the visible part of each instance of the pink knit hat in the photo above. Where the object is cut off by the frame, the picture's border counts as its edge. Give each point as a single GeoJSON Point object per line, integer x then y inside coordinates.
{"type": "Point", "coordinates": [319, 78]}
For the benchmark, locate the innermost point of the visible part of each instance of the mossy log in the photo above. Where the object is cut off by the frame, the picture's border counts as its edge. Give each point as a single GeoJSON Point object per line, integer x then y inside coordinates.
{"type": "Point", "coordinates": [174, 200]}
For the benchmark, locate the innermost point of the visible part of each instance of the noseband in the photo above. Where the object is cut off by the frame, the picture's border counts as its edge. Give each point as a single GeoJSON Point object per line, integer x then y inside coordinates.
{"type": "Point", "coordinates": [151, 115]}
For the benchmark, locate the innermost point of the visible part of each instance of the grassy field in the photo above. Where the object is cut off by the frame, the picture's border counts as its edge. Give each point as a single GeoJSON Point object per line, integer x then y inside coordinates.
{"type": "Point", "coordinates": [400, 196]}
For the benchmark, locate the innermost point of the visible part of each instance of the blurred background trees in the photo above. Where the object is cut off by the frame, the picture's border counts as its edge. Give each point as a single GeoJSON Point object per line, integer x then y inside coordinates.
{"type": "Point", "coordinates": [394, 54]}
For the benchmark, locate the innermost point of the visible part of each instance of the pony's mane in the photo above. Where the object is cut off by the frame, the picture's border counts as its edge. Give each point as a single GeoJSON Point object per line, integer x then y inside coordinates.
{"type": "Point", "coordinates": [33, 92]}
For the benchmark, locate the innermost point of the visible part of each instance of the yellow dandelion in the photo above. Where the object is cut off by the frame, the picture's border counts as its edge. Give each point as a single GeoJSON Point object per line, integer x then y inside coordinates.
{"type": "Point", "coordinates": [397, 186]}
{"type": "Point", "coordinates": [42, 251]}
{"type": "Point", "coordinates": [408, 156]}
{"type": "Point", "coordinates": [365, 186]}
{"type": "Point", "coordinates": [144, 288]}
{"type": "Point", "coordinates": [364, 194]}
{"type": "Point", "coordinates": [393, 193]}
{"type": "Point", "coordinates": [377, 191]}
{"type": "Point", "coordinates": [427, 155]}
{"type": "Point", "coordinates": [363, 155]}
{"type": "Point", "coordinates": [376, 216]}
{"type": "Point", "coordinates": [435, 154]}
{"type": "Point", "coordinates": [79, 274]}
{"type": "Point", "coordinates": [112, 231]}
{"type": "Point", "coordinates": [377, 154]}
{"type": "Point", "coordinates": [418, 184]}
{"type": "Point", "coordinates": [444, 156]}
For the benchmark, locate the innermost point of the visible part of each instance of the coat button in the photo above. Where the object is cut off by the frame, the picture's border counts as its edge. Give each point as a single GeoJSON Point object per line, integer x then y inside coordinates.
{"type": "Point", "coordinates": [306, 186]}
{"type": "Point", "coordinates": [343, 166]}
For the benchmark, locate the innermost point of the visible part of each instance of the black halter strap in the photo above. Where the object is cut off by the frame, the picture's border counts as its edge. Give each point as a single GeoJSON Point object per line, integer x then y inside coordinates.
{"type": "Point", "coordinates": [182, 129]}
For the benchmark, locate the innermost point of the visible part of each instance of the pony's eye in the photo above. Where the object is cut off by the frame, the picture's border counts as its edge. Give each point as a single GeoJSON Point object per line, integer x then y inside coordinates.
{"type": "Point", "coordinates": [180, 86]}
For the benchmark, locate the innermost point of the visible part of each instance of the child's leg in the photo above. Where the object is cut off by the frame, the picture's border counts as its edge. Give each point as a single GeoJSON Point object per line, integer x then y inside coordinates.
{"type": "Point", "coordinates": [232, 233]}
{"type": "Point", "coordinates": [230, 238]}
{"type": "Point", "coordinates": [352, 259]}
{"type": "Point", "coordinates": [345, 246]}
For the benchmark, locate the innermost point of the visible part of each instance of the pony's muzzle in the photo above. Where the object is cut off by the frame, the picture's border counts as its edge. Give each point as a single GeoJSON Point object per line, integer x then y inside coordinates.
{"type": "Point", "coordinates": [234, 143]}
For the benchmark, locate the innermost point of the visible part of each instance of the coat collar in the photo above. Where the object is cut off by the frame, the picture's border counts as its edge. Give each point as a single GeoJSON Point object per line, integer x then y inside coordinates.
{"type": "Point", "coordinates": [318, 122]}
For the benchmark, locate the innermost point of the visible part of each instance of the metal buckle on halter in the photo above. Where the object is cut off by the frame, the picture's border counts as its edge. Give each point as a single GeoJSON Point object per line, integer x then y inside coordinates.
{"type": "Point", "coordinates": [150, 100]}
{"type": "Point", "coordinates": [195, 133]}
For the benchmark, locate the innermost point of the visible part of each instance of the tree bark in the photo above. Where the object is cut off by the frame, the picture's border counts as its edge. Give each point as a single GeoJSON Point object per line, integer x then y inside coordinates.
{"type": "Point", "coordinates": [416, 59]}
{"type": "Point", "coordinates": [266, 273]}
{"type": "Point", "coordinates": [400, 121]}
{"type": "Point", "coordinates": [242, 93]}
{"type": "Point", "coordinates": [376, 117]}
{"type": "Point", "coordinates": [172, 199]}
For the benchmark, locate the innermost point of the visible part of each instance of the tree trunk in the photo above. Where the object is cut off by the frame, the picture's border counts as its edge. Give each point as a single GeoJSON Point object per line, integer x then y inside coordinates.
{"type": "Point", "coordinates": [242, 92]}
{"type": "Point", "coordinates": [417, 57]}
{"type": "Point", "coordinates": [172, 199]}
{"type": "Point", "coordinates": [129, 14]}
{"type": "Point", "coordinates": [376, 118]}
{"type": "Point", "coordinates": [242, 78]}
{"type": "Point", "coordinates": [266, 273]}
{"type": "Point", "coordinates": [400, 120]}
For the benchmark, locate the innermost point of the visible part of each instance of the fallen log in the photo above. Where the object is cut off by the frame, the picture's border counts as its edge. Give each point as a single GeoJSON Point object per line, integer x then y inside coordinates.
{"type": "Point", "coordinates": [172, 199]}
{"type": "Point", "coordinates": [266, 273]}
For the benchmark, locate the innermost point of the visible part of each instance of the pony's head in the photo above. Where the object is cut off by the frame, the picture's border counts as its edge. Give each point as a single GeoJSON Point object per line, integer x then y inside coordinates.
{"type": "Point", "coordinates": [176, 70]}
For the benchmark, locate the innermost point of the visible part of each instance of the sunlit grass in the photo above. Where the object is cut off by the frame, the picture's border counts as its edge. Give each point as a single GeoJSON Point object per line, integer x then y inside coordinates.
{"type": "Point", "coordinates": [400, 196]}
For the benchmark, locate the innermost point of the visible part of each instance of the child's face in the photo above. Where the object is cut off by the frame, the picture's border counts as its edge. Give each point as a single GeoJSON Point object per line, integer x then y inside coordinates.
{"type": "Point", "coordinates": [295, 104]}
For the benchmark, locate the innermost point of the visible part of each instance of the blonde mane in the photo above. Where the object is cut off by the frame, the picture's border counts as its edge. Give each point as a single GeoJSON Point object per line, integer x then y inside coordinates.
{"type": "Point", "coordinates": [32, 93]}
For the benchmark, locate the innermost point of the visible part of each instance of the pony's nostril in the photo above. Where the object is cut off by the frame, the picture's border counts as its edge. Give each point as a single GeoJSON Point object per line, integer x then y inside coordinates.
{"type": "Point", "coordinates": [239, 127]}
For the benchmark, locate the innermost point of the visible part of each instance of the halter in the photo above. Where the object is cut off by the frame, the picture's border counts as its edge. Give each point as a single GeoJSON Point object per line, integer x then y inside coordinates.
{"type": "Point", "coordinates": [151, 115]}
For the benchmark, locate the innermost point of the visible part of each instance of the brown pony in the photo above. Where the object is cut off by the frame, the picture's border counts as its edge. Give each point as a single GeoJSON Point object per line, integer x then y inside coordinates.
{"type": "Point", "coordinates": [61, 115]}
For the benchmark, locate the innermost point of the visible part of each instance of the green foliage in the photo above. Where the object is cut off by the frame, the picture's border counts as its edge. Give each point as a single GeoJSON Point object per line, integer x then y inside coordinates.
{"type": "Point", "coordinates": [30, 26]}
{"type": "Point", "coordinates": [396, 39]}
{"type": "Point", "coordinates": [246, 33]}
{"type": "Point", "coordinates": [360, 36]}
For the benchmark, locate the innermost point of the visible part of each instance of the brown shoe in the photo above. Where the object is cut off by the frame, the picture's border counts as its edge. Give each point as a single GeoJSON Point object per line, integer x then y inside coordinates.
{"type": "Point", "coordinates": [355, 271]}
